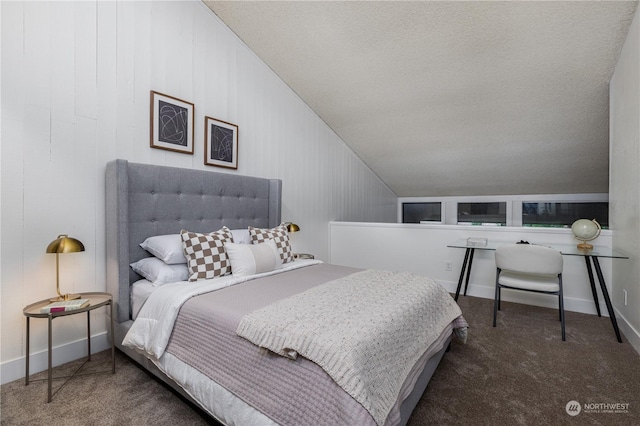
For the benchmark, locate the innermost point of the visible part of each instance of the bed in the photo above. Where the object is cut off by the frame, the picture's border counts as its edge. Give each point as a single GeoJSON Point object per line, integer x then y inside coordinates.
{"type": "Point", "coordinates": [205, 352]}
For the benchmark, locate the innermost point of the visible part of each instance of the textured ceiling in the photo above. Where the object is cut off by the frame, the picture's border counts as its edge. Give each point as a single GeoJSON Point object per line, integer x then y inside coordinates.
{"type": "Point", "coordinates": [452, 98]}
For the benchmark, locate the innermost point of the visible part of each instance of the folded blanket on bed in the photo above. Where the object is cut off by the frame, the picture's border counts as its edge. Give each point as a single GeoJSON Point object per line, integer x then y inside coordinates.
{"type": "Point", "coordinates": [366, 330]}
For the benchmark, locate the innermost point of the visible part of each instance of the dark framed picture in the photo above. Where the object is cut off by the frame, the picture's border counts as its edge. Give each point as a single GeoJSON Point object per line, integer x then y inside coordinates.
{"type": "Point", "coordinates": [171, 123]}
{"type": "Point", "coordinates": [221, 143]}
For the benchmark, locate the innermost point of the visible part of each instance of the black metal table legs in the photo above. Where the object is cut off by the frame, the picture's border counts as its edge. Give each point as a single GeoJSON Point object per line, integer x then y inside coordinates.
{"type": "Point", "coordinates": [466, 265]}
{"type": "Point", "coordinates": [593, 284]}
{"type": "Point", "coordinates": [605, 293]}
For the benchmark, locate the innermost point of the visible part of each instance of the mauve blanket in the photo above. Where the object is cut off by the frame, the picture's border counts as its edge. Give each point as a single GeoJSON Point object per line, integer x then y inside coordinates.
{"type": "Point", "coordinates": [291, 392]}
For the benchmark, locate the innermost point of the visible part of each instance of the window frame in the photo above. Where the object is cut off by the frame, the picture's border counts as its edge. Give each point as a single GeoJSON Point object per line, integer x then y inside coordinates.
{"type": "Point", "coordinates": [568, 225]}
{"type": "Point", "coordinates": [420, 202]}
{"type": "Point", "coordinates": [472, 223]}
{"type": "Point", "coordinates": [449, 204]}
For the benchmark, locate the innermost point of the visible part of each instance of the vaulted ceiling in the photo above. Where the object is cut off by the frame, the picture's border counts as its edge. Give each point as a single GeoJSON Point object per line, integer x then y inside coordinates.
{"type": "Point", "coordinates": [452, 97]}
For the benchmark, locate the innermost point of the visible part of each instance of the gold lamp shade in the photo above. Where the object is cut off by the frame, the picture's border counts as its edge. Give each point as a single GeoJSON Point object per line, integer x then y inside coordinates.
{"type": "Point", "coordinates": [292, 227]}
{"type": "Point", "coordinates": [63, 244]}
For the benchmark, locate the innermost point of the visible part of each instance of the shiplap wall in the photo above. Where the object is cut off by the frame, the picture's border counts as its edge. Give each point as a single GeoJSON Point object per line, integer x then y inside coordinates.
{"type": "Point", "coordinates": [76, 78]}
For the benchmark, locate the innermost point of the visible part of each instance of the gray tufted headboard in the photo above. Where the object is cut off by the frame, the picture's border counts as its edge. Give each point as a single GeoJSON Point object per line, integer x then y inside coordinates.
{"type": "Point", "coordinates": [144, 200]}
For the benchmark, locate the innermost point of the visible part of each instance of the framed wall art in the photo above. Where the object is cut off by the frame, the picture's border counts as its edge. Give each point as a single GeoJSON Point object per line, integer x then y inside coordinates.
{"type": "Point", "coordinates": [171, 123]}
{"type": "Point", "coordinates": [221, 143]}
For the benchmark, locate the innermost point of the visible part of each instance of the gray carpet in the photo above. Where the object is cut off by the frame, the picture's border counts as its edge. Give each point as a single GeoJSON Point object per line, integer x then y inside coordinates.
{"type": "Point", "coordinates": [519, 373]}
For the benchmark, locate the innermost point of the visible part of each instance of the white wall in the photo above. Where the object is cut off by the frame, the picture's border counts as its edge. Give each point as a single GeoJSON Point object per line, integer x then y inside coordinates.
{"type": "Point", "coordinates": [624, 179]}
{"type": "Point", "coordinates": [422, 249]}
{"type": "Point", "coordinates": [75, 88]}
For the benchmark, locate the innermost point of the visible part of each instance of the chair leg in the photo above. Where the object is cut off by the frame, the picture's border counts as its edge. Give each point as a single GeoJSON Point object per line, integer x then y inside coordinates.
{"type": "Point", "coordinates": [559, 307]}
{"type": "Point", "coordinates": [561, 297]}
{"type": "Point", "coordinates": [496, 299]}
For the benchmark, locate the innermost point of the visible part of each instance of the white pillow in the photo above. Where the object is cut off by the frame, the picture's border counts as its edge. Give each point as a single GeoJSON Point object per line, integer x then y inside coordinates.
{"type": "Point", "coordinates": [247, 259]}
{"type": "Point", "coordinates": [241, 236]}
{"type": "Point", "coordinates": [167, 248]}
{"type": "Point", "coordinates": [158, 272]}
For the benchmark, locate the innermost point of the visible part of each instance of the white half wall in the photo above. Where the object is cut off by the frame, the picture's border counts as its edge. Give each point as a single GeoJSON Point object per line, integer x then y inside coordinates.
{"type": "Point", "coordinates": [76, 82]}
{"type": "Point", "coordinates": [422, 249]}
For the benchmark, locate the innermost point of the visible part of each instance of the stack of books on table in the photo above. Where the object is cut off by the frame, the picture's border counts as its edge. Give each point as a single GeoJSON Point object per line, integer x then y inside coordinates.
{"type": "Point", "coordinates": [64, 306]}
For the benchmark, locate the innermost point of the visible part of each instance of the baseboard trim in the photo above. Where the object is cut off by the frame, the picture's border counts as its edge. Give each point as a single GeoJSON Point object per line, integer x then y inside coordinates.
{"type": "Point", "coordinates": [15, 369]}
{"type": "Point", "coordinates": [583, 306]}
{"type": "Point", "coordinates": [632, 335]}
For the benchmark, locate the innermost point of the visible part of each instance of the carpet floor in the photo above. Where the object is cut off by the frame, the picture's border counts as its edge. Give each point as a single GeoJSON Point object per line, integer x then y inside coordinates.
{"type": "Point", "coordinates": [519, 373]}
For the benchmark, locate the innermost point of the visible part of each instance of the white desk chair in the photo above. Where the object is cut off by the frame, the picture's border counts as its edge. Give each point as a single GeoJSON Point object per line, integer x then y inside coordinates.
{"type": "Point", "coordinates": [529, 267]}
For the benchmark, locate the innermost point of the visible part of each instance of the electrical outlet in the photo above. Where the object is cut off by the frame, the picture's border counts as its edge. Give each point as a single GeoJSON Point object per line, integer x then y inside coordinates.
{"type": "Point", "coordinates": [447, 266]}
{"type": "Point", "coordinates": [625, 297]}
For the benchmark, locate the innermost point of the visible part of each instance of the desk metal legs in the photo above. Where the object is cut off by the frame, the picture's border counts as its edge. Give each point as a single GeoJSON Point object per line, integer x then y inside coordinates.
{"type": "Point", "coordinates": [605, 293]}
{"type": "Point", "coordinates": [593, 284]}
{"type": "Point", "coordinates": [466, 265]}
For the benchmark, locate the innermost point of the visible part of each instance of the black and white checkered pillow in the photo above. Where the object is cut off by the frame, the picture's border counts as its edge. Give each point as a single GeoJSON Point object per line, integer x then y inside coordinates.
{"type": "Point", "coordinates": [279, 235]}
{"type": "Point", "coordinates": [205, 253]}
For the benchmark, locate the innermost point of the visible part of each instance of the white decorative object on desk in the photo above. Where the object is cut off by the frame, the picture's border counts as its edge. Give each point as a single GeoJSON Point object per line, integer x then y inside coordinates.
{"type": "Point", "coordinates": [477, 242]}
{"type": "Point", "coordinates": [585, 230]}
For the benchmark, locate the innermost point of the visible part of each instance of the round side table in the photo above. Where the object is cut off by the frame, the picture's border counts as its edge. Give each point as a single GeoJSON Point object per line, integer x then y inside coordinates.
{"type": "Point", "coordinates": [96, 300]}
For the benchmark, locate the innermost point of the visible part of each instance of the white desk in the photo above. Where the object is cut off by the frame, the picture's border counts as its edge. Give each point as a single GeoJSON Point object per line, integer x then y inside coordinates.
{"type": "Point", "coordinates": [590, 257]}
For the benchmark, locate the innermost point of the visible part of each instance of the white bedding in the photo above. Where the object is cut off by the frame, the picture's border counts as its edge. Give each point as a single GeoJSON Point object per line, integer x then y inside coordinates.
{"type": "Point", "coordinates": [151, 330]}
{"type": "Point", "coordinates": [212, 397]}
{"type": "Point", "coordinates": [140, 292]}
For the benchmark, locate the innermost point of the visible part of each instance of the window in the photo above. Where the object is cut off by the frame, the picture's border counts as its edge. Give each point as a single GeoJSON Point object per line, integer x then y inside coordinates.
{"type": "Point", "coordinates": [562, 215]}
{"type": "Point", "coordinates": [482, 214]}
{"type": "Point", "coordinates": [539, 210]}
{"type": "Point", "coordinates": [421, 212]}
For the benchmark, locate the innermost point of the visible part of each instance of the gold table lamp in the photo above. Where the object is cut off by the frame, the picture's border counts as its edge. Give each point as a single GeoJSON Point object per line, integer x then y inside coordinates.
{"type": "Point", "coordinates": [63, 244]}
